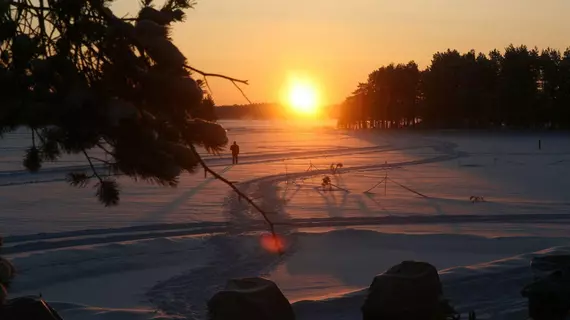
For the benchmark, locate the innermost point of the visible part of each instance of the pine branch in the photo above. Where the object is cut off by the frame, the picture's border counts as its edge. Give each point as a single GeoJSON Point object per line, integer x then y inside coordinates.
{"type": "Point", "coordinates": [36, 19]}
{"type": "Point", "coordinates": [108, 192]}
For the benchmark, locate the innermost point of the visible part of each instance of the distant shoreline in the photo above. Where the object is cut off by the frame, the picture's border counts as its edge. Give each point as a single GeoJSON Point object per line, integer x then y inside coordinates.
{"type": "Point", "coordinates": [266, 111]}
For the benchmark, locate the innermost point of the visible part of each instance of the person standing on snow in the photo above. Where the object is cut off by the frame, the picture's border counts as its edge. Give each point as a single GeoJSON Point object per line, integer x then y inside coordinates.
{"type": "Point", "coordinates": [235, 152]}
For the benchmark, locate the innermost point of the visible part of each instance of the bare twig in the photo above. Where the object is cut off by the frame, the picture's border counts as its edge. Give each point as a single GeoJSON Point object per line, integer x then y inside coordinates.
{"type": "Point", "coordinates": [42, 23]}
{"type": "Point", "coordinates": [231, 185]}
{"type": "Point", "coordinates": [22, 5]}
{"type": "Point", "coordinates": [208, 86]}
{"type": "Point", "coordinates": [234, 81]}
{"type": "Point", "coordinates": [39, 135]}
{"type": "Point", "coordinates": [216, 75]}
{"type": "Point", "coordinates": [92, 166]}
{"type": "Point", "coordinates": [240, 194]}
{"type": "Point", "coordinates": [242, 93]}
{"type": "Point", "coordinates": [107, 162]}
{"type": "Point", "coordinates": [104, 149]}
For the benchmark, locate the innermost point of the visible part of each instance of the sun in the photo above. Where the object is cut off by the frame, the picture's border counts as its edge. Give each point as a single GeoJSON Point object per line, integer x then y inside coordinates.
{"type": "Point", "coordinates": [303, 97]}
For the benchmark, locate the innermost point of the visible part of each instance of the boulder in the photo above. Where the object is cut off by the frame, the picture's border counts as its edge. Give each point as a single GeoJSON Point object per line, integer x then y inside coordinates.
{"type": "Point", "coordinates": [409, 290]}
{"type": "Point", "coordinates": [251, 299]}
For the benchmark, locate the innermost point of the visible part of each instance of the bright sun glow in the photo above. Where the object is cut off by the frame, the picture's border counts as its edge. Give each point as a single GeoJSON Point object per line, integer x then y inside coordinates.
{"type": "Point", "coordinates": [303, 97]}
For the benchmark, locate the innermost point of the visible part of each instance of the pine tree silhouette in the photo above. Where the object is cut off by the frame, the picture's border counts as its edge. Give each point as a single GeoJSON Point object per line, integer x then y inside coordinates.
{"type": "Point", "coordinates": [82, 79]}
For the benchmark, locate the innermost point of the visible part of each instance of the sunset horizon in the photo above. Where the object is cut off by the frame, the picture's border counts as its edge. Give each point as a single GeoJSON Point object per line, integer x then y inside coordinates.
{"type": "Point", "coordinates": [338, 45]}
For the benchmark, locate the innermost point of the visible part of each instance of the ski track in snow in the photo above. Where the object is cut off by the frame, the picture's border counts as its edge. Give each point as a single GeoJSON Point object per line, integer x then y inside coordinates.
{"type": "Point", "coordinates": [242, 218]}
{"type": "Point", "coordinates": [240, 213]}
{"type": "Point", "coordinates": [51, 241]}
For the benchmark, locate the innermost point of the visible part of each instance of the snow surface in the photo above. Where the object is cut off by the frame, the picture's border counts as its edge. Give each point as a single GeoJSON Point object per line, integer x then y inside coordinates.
{"type": "Point", "coordinates": [163, 252]}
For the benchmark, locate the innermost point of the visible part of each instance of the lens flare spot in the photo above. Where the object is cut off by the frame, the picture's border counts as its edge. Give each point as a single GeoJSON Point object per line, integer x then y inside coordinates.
{"type": "Point", "coordinates": [273, 243]}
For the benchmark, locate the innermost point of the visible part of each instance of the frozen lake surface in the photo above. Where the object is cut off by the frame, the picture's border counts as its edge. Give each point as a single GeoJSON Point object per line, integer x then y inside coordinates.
{"type": "Point", "coordinates": [164, 251]}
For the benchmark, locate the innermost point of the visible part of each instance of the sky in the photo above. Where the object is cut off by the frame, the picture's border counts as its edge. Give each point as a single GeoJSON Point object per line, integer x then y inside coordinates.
{"type": "Point", "coordinates": [336, 44]}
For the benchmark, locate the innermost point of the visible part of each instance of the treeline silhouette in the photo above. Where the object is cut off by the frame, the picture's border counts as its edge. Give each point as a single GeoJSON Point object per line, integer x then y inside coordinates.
{"type": "Point", "coordinates": [519, 88]}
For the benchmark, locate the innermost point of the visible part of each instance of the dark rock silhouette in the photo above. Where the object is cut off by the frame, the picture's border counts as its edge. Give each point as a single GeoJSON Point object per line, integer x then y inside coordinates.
{"type": "Point", "coordinates": [252, 299]}
{"type": "Point", "coordinates": [409, 290]}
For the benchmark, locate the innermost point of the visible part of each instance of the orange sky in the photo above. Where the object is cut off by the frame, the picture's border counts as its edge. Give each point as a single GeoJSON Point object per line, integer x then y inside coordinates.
{"type": "Point", "coordinates": [337, 43]}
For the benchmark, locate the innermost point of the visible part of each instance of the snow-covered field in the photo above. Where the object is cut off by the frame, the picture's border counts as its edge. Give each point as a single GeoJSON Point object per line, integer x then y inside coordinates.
{"type": "Point", "coordinates": [163, 252]}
